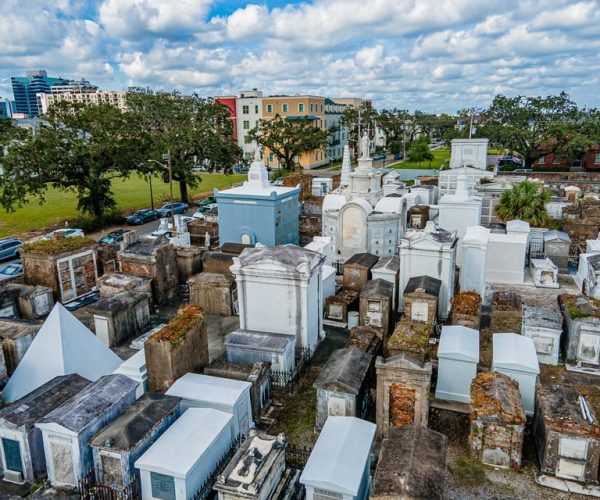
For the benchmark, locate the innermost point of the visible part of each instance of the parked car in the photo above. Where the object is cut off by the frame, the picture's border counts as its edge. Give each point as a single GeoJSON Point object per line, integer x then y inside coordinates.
{"type": "Point", "coordinates": [113, 238]}
{"type": "Point", "coordinates": [379, 156]}
{"type": "Point", "coordinates": [9, 248]}
{"type": "Point", "coordinates": [202, 212]}
{"type": "Point", "coordinates": [8, 271]}
{"type": "Point", "coordinates": [167, 210]}
{"type": "Point", "coordinates": [67, 233]}
{"type": "Point", "coordinates": [239, 169]}
{"type": "Point", "coordinates": [142, 216]}
{"type": "Point", "coordinates": [399, 156]}
{"type": "Point", "coordinates": [207, 201]}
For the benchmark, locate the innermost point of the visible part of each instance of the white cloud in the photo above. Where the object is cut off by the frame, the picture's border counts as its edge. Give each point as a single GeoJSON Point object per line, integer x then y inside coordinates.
{"type": "Point", "coordinates": [137, 18]}
{"type": "Point", "coordinates": [425, 54]}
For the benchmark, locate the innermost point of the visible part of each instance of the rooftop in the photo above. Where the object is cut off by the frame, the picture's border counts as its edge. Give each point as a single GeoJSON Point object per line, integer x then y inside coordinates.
{"type": "Point", "coordinates": [219, 390]}
{"type": "Point", "coordinates": [41, 401]}
{"type": "Point", "coordinates": [338, 459]}
{"type": "Point", "coordinates": [424, 284]}
{"type": "Point", "coordinates": [494, 394]}
{"type": "Point", "coordinates": [91, 403]}
{"type": "Point", "coordinates": [185, 442]}
{"type": "Point", "coordinates": [59, 246]}
{"type": "Point", "coordinates": [542, 317]}
{"type": "Point", "coordinates": [411, 464]}
{"type": "Point", "coordinates": [136, 422]}
{"type": "Point", "coordinates": [260, 341]}
{"type": "Point", "coordinates": [377, 288]}
{"type": "Point", "coordinates": [514, 352]}
{"type": "Point", "coordinates": [290, 256]}
{"type": "Point", "coordinates": [560, 408]}
{"type": "Point", "coordinates": [362, 259]}
{"type": "Point", "coordinates": [345, 371]}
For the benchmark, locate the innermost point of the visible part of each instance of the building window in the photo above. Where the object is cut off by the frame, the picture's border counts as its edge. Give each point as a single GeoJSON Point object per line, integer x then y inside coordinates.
{"type": "Point", "coordinates": [247, 139]}
{"type": "Point", "coordinates": [245, 109]}
{"type": "Point", "coordinates": [556, 159]}
{"type": "Point", "coordinates": [321, 108]}
{"type": "Point", "coordinates": [542, 160]}
{"type": "Point", "coordinates": [284, 108]}
{"type": "Point", "coordinates": [269, 108]}
{"type": "Point", "coordinates": [256, 108]}
{"type": "Point", "coordinates": [597, 158]}
{"type": "Point", "coordinates": [300, 108]}
{"type": "Point", "coordinates": [271, 157]}
{"type": "Point", "coordinates": [246, 125]}
{"type": "Point", "coordinates": [311, 108]}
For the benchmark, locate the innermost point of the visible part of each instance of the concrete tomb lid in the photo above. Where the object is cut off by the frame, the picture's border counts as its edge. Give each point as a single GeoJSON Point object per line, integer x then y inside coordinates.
{"type": "Point", "coordinates": [514, 352]}
{"type": "Point", "coordinates": [338, 459]}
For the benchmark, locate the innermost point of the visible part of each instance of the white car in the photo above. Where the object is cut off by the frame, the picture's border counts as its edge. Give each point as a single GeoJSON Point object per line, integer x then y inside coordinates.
{"type": "Point", "coordinates": [67, 233]}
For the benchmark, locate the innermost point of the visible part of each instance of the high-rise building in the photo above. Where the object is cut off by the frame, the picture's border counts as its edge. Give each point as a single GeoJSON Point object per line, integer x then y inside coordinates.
{"type": "Point", "coordinates": [6, 108]}
{"type": "Point", "coordinates": [249, 112]}
{"type": "Point", "coordinates": [26, 88]}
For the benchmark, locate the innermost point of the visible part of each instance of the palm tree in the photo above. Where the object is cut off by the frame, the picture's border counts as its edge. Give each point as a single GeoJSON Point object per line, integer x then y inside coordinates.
{"type": "Point", "coordinates": [525, 201]}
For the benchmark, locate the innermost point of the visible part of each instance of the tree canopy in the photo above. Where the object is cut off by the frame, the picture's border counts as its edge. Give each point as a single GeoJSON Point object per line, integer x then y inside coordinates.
{"type": "Point", "coordinates": [537, 126]}
{"type": "Point", "coordinates": [288, 139]}
{"type": "Point", "coordinates": [78, 148]}
{"type": "Point", "coordinates": [525, 201]}
{"type": "Point", "coordinates": [195, 132]}
{"type": "Point", "coordinates": [419, 151]}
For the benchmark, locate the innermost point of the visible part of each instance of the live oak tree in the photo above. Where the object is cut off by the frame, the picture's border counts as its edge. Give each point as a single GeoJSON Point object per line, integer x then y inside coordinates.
{"type": "Point", "coordinates": [419, 151]}
{"type": "Point", "coordinates": [537, 126]}
{"type": "Point", "coordinates": [525, 201]}
{"type": "Point", "coordinates": [288, 139]}
{"type": "Point", "coordinates": [77, 148]}
{"type": "Point", "coordinates": [195, 132]}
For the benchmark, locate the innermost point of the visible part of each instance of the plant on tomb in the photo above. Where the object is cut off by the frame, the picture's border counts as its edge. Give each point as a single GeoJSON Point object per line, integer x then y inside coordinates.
{"type": "Point", "coordinates": [525, 201]}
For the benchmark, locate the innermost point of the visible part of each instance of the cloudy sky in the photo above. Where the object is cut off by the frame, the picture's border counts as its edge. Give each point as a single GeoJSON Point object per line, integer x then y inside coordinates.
{"type": "Point", "coordinates": [433, 55]}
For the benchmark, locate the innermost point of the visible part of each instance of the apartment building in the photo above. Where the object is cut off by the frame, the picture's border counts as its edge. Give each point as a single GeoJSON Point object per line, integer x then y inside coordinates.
{"type": "Point", "coordinates": [338, 133]}
{"type": "Point", "coordinates": [117, 99]}
{"type": "Point", "coordinates": [295, 107]}
{"type": "Point", "coordinates": [249, 110]}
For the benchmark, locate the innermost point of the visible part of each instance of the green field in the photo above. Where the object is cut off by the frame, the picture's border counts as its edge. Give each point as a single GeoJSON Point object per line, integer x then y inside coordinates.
{"type": "Point", "coordinates": [131, 194]}
{"type": "Point", "coordinates": [440, 157]}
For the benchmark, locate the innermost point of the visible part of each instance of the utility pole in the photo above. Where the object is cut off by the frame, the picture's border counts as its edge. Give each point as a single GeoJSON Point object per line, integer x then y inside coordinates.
{"type": "Point", "coordinates": [170, 167]}
{"type": "Point", "coordinates": [151, 193]}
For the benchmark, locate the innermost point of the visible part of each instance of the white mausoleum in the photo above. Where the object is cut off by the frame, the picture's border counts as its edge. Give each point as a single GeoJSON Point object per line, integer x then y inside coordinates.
{"type": "Point", "coordinates": [357, 217]}
{"type": "Point", "coordinates": [430, 252]}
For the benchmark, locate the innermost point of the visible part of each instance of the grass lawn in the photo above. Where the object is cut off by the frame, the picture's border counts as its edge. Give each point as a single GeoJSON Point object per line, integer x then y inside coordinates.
{"type": "Point", "coordinates": [440, 156]}
{"type": "Point", "coordinates": [131, 194]}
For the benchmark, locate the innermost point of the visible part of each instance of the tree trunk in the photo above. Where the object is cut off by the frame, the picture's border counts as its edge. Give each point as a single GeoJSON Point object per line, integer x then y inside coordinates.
{"type": "Point", "coordinates": [184, 191]}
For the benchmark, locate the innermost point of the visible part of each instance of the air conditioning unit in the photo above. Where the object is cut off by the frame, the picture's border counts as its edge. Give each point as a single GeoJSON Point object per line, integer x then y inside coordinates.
{"type": "Point", "coordinates": [13, 476]}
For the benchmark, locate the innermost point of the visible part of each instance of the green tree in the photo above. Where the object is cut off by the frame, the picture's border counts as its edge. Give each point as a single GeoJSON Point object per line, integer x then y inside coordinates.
{"type": "Point", "coordinates": [193, 130]}
{"type": "Point", "coordinates": [419, 151]}
{"type": "Point", "coordinates": [537, 126]}
{"type": "Point", "coordinates": [288, 139]}
{"type": "Point", "coordinates": [525, 201]}
{"type": "Point", "coordinates": [78, 148]}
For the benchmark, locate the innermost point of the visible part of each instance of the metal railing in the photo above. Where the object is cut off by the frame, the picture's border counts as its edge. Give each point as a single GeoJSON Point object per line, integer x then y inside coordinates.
{"type": "Point", "coordinates": [90, 489]}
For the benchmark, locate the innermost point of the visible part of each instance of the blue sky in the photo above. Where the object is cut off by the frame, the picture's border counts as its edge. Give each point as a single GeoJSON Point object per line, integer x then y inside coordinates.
{"type": "Point", "coordinates": [433, 55]}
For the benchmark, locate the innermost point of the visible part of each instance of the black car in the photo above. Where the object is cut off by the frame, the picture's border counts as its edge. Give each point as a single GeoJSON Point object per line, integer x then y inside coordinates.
{"type": "Point", "coordinates": [113, 237]}
{"type": "Point", "coordinates": [398, 156]}
{"type": "Point", "coordinates": [142, 216]}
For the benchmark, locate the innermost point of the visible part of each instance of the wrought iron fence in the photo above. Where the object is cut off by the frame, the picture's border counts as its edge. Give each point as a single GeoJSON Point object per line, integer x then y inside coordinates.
{"type": "Point", "coordinates": [296, 456]}
{"type": "Point", "coordinates": [90, 489]}
{"type": "Point", "coordinates": [287, 381]}
{"type": "Point", "coordinates": [206, 490]}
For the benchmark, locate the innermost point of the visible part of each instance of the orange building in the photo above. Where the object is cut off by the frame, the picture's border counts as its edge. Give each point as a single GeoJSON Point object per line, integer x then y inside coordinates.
{"type": "Point", "coordinates": [295, 107]}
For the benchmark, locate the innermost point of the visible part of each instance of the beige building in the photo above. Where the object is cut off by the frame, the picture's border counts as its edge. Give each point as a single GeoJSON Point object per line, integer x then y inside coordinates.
{"type": "Point", "coordinates": [295, 107]}
{"type": "Point", "coordinates": [113, 98]}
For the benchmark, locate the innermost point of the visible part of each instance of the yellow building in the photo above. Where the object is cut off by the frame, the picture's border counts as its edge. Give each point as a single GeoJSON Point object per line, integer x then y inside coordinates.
{"type": "Point", "coordinates": [296, 106]}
